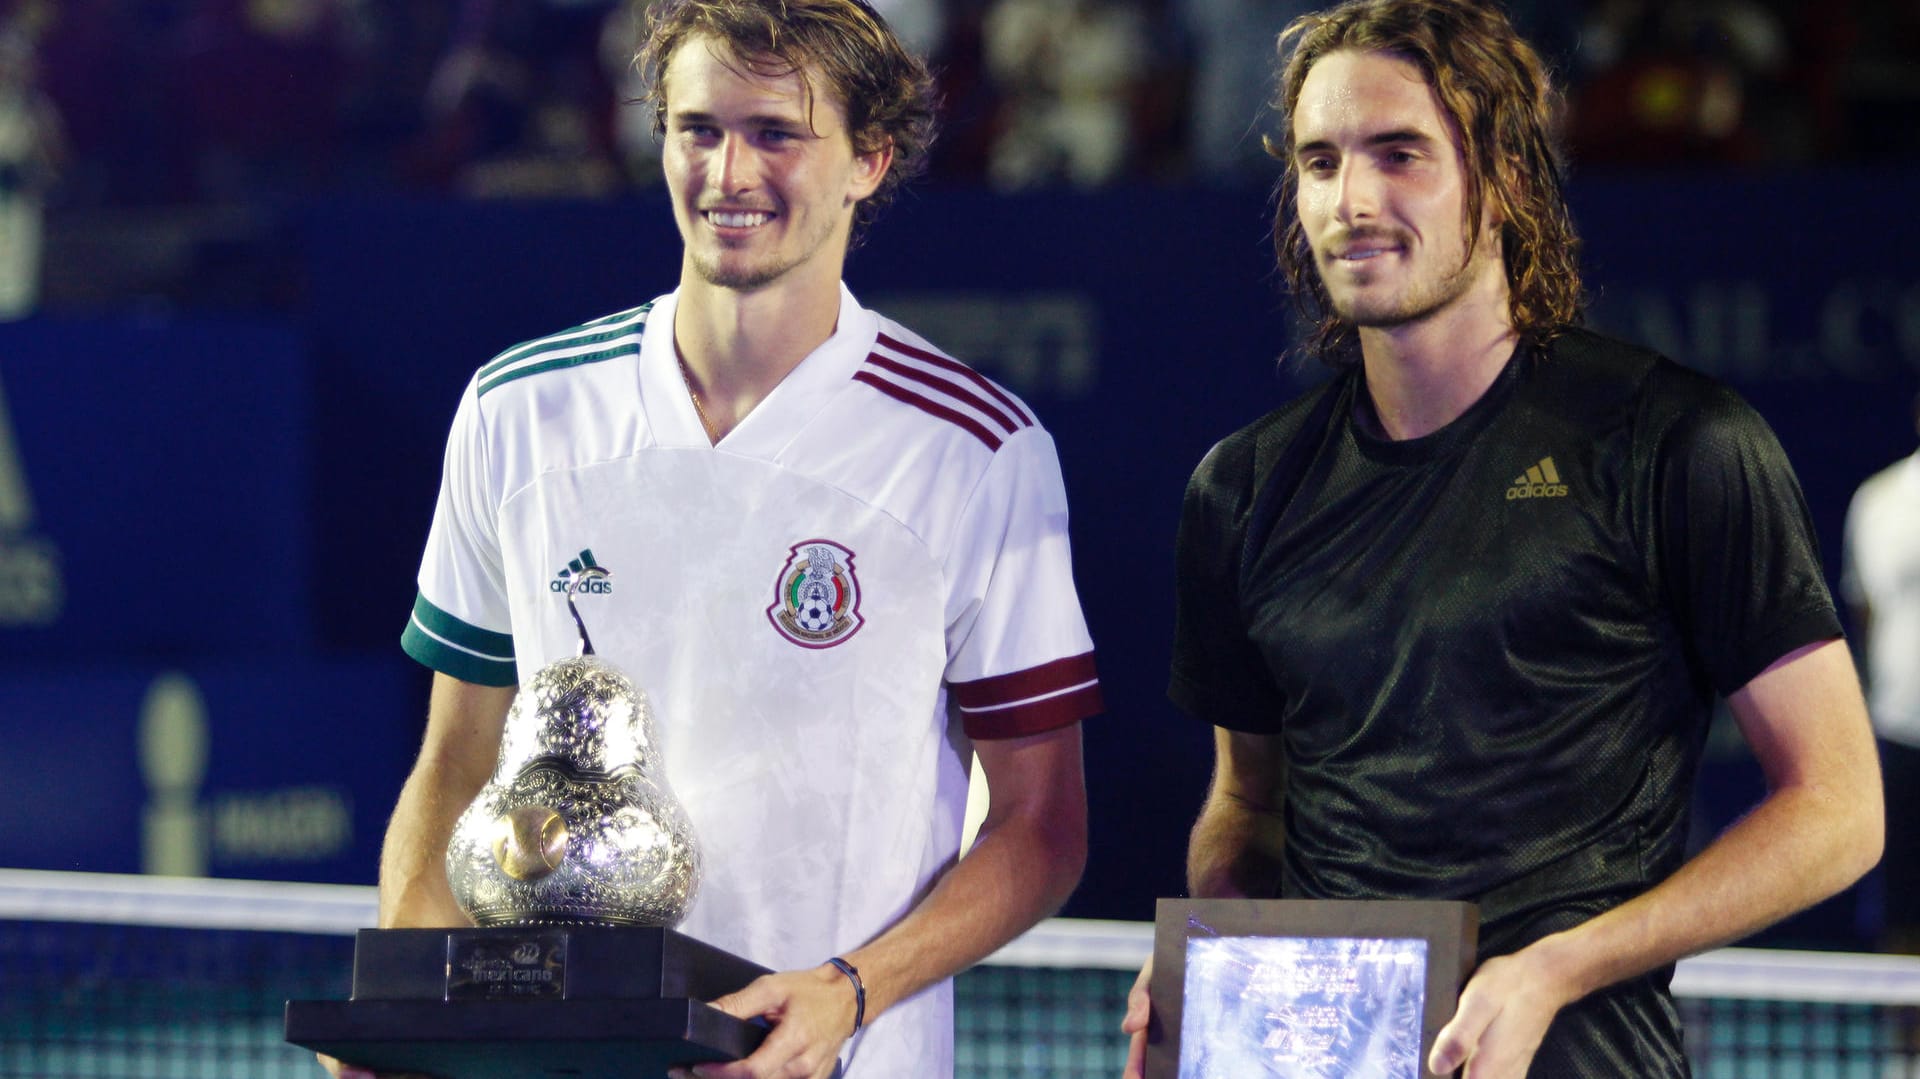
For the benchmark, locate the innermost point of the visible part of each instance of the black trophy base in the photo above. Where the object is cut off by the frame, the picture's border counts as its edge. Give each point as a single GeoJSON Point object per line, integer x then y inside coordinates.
{"type": "Point", "coordinates": [592, 1002]}
{"type": "Point", "coordinates": [599, 1039]}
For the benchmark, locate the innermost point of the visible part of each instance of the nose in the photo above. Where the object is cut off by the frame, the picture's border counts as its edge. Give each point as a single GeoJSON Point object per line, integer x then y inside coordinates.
{"type": "Point", "coordinates": [738, 165]}
{"type": "Point", "coordinates": [1356, 192]}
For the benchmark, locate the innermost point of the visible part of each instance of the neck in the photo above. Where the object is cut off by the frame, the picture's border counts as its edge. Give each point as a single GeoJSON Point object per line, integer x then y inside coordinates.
{"type": "Point", "coordinates": [1423, 375]}
{"type": "Point", "coordinates": [737, 346]}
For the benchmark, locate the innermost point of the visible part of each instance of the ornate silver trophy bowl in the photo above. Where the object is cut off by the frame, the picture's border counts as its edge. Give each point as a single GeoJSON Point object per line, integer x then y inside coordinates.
{"type": "Point", "coordinates": [577, 824]}
{"type": "Point", "coordinates": [576, 861]}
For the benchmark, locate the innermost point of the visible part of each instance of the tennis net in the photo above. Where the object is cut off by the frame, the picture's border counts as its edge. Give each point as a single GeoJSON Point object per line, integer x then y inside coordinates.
{"type": "Point", "coordinates": [120, 977]}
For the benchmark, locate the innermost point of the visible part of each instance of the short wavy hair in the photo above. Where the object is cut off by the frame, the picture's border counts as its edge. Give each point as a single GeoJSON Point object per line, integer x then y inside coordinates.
{"type": "Point", "coordinates": [844, 45]}
{"type": "Point", "coordinates": [1504, 108]}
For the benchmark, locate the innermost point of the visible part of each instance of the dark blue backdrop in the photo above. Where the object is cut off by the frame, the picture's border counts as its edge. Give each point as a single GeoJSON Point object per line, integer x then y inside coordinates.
{"type": "Point", "coordinates": [257, 494]}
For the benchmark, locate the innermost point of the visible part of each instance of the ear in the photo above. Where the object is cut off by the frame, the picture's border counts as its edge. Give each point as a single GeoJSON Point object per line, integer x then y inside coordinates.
{"type": "Point", "coordinates": [868, 170]}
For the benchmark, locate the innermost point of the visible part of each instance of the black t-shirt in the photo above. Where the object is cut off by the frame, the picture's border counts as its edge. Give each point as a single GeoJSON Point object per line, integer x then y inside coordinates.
{"type": "Point", "coordinates": [1491, 653]}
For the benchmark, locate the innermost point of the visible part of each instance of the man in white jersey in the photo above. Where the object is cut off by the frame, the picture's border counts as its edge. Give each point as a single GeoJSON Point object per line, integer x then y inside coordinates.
{"type": "Point", "coordinates": [838, 564]}
{"type": "Point", "coordinates": [1881, 581]}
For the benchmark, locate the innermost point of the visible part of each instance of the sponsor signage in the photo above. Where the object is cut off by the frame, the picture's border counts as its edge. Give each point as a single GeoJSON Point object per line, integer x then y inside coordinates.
{"type": "Point", "coordinates": [275, 771]}
{"type": "Point", "coordinates": [154, 490]}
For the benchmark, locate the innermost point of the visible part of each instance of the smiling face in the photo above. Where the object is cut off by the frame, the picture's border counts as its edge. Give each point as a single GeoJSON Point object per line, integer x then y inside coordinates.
{"type": "Point", "coordinates": [763, 175]}
{"type": "Point", "coordinates": [1382, 195]}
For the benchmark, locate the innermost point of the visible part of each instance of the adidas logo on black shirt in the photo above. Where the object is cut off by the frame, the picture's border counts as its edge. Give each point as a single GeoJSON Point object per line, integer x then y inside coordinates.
{"type": "Point", "coordinates": [1540, 481]}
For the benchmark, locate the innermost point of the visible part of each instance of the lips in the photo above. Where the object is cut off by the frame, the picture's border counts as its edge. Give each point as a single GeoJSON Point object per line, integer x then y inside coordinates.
{"type": "Point", "coordinates": [1362, 252]}
{"type": "Point", "coordinates": [1362, 246]}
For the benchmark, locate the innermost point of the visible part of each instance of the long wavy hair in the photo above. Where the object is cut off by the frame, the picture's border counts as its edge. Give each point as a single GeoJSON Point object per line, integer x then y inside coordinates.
{"type": "Point", "coordinates": [1504, 109]}
{"type": "Point", "coordinates": [844, 45]}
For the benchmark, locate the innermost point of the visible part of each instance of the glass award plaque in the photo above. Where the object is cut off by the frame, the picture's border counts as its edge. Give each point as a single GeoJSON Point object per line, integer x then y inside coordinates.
{"type": "Point", "coordinates": [1304, 989]}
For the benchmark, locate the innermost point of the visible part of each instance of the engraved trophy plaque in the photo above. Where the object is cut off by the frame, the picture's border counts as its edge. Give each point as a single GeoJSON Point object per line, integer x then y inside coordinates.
{"type": "Point", "coordinates": [574, 862]}
{"type": "Point", "coordinates": [1304, 989]}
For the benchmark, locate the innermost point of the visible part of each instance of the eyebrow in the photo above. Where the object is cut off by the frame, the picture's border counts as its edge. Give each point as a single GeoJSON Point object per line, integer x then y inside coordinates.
{"type": "Point", "coordinates": [1396, 137]}
{"type": "Point", "coordinates": [756, 120]}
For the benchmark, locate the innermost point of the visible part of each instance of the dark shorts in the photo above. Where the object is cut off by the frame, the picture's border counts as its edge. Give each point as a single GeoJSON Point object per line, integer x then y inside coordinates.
{"type": "Point", "coordinates": [1627, 1030]}
{"type": "Point", "coordinates": [1900, 866]}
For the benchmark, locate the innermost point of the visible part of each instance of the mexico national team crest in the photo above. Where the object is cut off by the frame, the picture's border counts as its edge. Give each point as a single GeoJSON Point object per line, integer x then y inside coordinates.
{"type": "Point", "coordinates": [816, 598]}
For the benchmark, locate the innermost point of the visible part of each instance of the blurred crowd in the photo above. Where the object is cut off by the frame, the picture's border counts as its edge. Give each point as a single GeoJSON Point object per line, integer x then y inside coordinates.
{"type": "Point", "coordinates": [127, 103]}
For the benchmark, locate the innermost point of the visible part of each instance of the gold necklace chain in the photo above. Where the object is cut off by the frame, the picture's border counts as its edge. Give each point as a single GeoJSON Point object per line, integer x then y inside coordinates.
{"type": "Point", "coordinates": [686, 379]}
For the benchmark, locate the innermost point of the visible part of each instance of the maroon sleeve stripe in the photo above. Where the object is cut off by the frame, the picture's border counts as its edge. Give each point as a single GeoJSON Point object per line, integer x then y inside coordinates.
{"type": "Point", "coordinates": [946, 387]}
{"type": "Point", "coordinates": [932, 408]}
{"type": "Point", "coordinates": [1024, 685]}
{"type": "Point", "coordinates": [1034, 717]}
{"type": "Point", "coordinates": [961, 369]}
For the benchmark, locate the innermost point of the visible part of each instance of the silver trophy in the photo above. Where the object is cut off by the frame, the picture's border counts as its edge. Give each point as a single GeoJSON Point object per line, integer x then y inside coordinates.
{"type": "Point", "coordinates": [577, 824]}
{"type": "Point", "coordinates": [574, 861]}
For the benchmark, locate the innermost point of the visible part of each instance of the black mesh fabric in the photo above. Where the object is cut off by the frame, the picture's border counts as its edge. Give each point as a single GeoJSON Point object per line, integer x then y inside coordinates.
{"type": "Point", "coordinates": [1490, 653]}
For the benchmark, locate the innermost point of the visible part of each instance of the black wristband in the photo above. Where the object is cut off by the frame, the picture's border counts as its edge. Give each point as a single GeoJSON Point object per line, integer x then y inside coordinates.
{"type": "Point", "coordinates": [859, 991]}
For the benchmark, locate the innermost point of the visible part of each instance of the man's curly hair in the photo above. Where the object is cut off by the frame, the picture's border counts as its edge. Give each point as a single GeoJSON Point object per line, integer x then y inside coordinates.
{"type": "Point", "coordinates": [1503, 107]}
{"type": "Point", "coordinates": [843, 45]}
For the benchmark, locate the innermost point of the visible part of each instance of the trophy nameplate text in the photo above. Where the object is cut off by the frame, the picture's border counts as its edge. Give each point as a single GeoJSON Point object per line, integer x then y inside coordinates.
{"type": "Point", "coordinates": [1304, 989]}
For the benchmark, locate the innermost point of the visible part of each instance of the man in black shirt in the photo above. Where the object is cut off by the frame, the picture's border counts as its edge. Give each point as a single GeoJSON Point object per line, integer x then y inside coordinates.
{"type": "Point", "coordinates": [1459, 616]}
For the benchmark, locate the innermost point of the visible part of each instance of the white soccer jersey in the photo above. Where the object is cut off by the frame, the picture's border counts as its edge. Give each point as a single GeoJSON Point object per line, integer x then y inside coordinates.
{"type": "Point", "coordinates": [1882, 568]}
{"type": "Point", "coordinates": [869, 570]}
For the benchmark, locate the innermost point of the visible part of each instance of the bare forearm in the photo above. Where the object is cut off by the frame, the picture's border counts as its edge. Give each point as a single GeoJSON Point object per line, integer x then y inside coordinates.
{"type": "Point", "coordinates": [1015, 875]}
{"type": "Point", "coordinates": [1235, 847]}
{"type": "Point", "coordinates": [1803, 842]}
{"type": "Point", "coordinates": [413, 877]}
{"type": "Point", "coordinates": [1026, 860]}
{"type": "Point", "coordinates": [462, 744]}
{"type": "Point", "coordinates": [1233, 851]}
{"type": "Point", "coordinates": [1818, 829]}
{"type": "Point", "coordinates": [1799, 846]}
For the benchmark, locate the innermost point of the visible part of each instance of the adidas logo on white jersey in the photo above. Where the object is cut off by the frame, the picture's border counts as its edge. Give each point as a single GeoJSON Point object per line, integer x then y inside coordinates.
{"type": "Point", "coordinates": [569, 576]}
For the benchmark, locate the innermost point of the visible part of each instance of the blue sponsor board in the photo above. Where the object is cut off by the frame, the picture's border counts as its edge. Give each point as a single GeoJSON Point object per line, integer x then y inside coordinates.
{"type": "Point", "coordinates": [189, 492]}
{"type": "Point", "coordinates": [272, 771]}
{"type": "Point", "coordinates": [1142, 325]}
{"type": "Point", "coordinates": [154, 490]}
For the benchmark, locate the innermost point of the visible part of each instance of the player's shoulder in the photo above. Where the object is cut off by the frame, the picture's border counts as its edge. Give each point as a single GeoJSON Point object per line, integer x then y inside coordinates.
{"type": "Point", "coordinates": [1595, 379]}
{"type": "Point", "coordinates": [1236, 462]}
{"type": "Point", "coordinates": [1588, 378]}
{"type": "Point", "coordinates": [1679, 415]}
{"type": "Point", "coordinates": [1599, 354]}
{"type": "Point", "coordinates": [1689, 409]}
{"type": "Point", "coordinates": [558, 360]}
{"type": "Point", "coordinates": [917, 383]}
